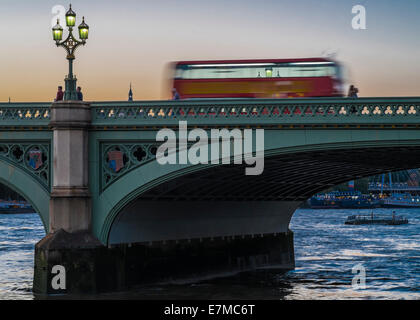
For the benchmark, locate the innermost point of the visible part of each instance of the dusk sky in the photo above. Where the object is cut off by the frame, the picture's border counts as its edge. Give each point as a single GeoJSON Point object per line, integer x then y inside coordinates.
{"type": "Point", "coordinates": [133, 41]}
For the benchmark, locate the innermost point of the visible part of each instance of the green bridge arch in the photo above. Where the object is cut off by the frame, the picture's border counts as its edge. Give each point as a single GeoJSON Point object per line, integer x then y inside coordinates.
{"type": "Point", "coordinates": [24, 184]}
{"type": "Point", "coordinates": [108, 204]}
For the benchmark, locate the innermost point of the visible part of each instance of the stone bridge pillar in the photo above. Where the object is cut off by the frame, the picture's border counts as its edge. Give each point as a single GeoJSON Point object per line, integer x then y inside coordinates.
{"type": "Point", "coordinates": [70, 207]}
{"type": "Point", "coordinates": [69, 251]}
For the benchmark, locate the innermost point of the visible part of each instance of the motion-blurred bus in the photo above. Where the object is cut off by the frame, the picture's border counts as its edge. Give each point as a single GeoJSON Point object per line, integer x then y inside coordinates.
{"type": "Point", "coordinates": [274, 78]}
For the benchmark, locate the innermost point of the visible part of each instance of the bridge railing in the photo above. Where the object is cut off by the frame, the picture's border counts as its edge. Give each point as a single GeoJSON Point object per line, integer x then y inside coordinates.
{"type": "Point", "coordinates": [222, 112]}
{"type": "Point", "coordinates": [259, 111]}
{"type": "Point", "coordinates": [25, 114]}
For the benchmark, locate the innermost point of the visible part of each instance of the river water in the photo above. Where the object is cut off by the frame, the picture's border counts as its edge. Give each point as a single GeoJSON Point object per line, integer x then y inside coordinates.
{"type": "Point", "coordinates": [326, 251]}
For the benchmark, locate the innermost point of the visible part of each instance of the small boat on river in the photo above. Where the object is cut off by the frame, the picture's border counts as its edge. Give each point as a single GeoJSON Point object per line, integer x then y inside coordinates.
{"type": "Point", "coordinates": [376, 219]}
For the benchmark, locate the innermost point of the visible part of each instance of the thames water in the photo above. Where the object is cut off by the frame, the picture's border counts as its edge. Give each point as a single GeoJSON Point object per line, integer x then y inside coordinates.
{"type": "Point", "coordinates": [328, 255]}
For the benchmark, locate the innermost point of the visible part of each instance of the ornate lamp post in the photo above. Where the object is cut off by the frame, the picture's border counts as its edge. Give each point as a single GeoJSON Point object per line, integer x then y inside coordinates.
{"type": "Point", "coordinates": [70, 44]}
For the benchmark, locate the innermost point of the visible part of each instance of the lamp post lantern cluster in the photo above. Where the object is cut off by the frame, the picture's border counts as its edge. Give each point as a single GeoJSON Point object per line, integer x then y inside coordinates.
{"type": "Point", "coordinates": [70, 44]}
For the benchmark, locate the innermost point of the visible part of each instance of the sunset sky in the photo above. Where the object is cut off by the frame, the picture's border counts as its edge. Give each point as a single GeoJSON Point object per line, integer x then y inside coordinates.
{"type": "Point", "coordinates": [133, 41]}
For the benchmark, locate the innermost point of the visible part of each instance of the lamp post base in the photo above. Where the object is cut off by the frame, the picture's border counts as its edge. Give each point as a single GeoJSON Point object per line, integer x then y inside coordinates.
{"type": "Point", "coordinates": [70, 93]}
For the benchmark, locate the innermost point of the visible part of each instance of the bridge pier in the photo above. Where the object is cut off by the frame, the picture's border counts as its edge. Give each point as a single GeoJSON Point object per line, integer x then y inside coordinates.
{"type": "Point", "coordinates": [199, 259]}
{"type": "Point", "coordinates": [69, 243]}
{"type": "Point", "coordinates": [93, 268]}
{"type": "Point", "coordinates": [70, 207]}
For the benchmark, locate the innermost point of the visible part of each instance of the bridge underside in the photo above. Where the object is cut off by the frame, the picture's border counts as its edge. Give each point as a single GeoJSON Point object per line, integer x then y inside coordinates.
{"type": "Point", "coordinates": [223, 201]}
{"type": "Point", "coordinates": [289, 177]}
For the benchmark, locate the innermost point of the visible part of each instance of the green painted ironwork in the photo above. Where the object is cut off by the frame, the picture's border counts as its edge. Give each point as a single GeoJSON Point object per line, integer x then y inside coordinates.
{"type": "Point", "coordinates": [133, 155]}
{"type": "Point", "coordinates": [121, 192]}
{"type": "Point", "coordinates": [24, 114]}
{"type": "Point", "coordinates": [23, 183]}
{"type": "Point", "coordinates": [33, 158]}
{"type": "Point", "coordinates": [26, 164]}
{"type": "Point", "coordinates": [229, 112]}
{"type": "Point", "coordinates": [258, 111]}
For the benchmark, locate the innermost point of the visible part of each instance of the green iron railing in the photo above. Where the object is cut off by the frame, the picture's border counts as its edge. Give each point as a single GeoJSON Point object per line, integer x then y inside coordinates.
{"type": "Point", "coordinates": [230, 112]}
{"type": "Point", "coordinates": [24, 114]}
{"type": "Point", "coordinates": [259, 111]}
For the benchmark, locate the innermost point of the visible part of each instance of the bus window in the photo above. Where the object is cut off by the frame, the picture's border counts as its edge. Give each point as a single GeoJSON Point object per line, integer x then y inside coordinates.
{"type": "Point", "coordinates": [179, 73]}
{"type": "Point", "coordinates": [255, 71]}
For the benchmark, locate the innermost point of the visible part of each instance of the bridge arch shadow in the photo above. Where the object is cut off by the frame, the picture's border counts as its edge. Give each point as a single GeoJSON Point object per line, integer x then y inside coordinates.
{"type": "Point", "coordinates": [27, 187]}
{"type": "Point", "coordinates": [291, 176]}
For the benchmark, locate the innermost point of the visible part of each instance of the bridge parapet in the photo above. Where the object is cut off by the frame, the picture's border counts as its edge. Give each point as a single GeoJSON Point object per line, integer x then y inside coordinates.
{"type": "Point", "coordinates": [268, 112]}
{"type": "Point", "coordinates": [24, 114]}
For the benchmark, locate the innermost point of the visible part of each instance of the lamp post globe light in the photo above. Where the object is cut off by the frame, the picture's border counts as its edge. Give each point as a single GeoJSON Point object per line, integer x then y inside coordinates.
{"type": "Point", "coordinates": [70, 44]}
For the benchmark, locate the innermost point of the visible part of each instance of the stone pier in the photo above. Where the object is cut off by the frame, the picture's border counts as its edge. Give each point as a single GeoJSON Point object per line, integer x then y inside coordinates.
{"type": "Point", "coordinates": [70, 242]}
{"type": "Point", "coordinates": [93, 268]}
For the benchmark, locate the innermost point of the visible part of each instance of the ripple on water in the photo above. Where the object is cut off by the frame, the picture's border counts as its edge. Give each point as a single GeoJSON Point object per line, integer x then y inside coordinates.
{"type": "Point", "coordinates": [326, 250]}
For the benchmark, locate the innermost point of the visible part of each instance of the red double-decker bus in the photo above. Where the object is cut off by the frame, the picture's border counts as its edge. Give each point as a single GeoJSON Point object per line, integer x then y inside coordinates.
{"type": "Point", "coordinates": [268, 78]}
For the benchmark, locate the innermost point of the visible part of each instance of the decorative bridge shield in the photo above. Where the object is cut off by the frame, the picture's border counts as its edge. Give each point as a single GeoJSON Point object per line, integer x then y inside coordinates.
{"type": "Point", "coordinates": [35, 159]}
{"type": "Point", "coordinates": [116, 162]}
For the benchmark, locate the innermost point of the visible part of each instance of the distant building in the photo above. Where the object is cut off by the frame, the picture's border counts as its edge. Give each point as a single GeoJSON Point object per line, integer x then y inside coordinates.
{"type": "Point", "coordinates": [130, 94]}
